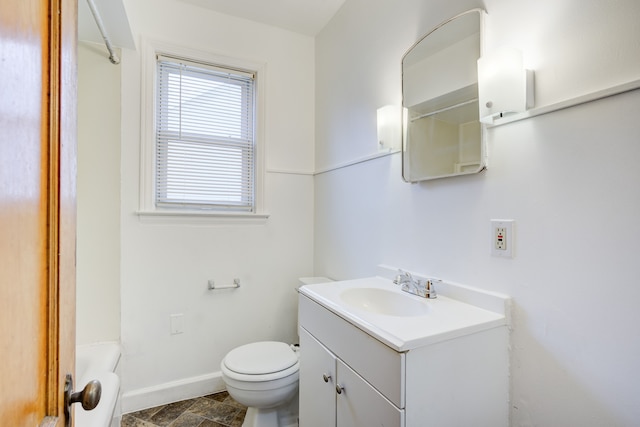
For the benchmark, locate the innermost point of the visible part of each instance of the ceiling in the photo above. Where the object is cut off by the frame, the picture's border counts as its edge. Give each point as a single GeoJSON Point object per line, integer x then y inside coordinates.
{"type": "Point", "coordinates": [114, 20]}
{"type": "Point", "coordinates": [301, 16]}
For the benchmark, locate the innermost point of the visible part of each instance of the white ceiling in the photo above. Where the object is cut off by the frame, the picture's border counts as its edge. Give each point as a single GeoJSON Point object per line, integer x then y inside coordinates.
{"type": "Point", "coordinates": [301, 16]}
{"type": "Point", "coordinates": [114, 19]}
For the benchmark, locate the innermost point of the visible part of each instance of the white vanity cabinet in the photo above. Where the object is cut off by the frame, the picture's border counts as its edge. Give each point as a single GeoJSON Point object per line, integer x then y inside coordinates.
{"type": "Point", "coordinates": [317, 383]}
{"type": "Point", "coordinates": [461, 381]}
{"type": "Point", "coordinates": [334, 394]}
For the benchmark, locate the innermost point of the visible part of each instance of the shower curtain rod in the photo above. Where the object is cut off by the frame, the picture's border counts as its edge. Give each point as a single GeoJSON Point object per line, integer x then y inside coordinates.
{"type": "Point", "coordinates": [96, 15]}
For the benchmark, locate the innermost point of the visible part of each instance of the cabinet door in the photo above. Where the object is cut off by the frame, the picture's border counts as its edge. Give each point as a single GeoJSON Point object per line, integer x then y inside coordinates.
{"type": "Point", "coordinates": [360, 405]}
{"type": "Point", "coordinates": [317, 383]}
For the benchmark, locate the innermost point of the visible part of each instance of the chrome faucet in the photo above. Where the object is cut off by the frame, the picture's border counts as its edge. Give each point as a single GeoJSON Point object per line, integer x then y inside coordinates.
{"type": "Point", "coordinates": [408, 283]}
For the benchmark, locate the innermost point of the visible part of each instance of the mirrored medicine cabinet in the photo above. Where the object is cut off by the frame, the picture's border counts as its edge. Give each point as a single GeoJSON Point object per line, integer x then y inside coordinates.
{"type": "Point", "coordinates": [442, 134]}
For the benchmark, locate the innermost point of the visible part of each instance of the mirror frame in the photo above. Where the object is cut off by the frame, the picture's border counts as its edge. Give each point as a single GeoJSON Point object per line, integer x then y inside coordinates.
{"type": "Point", "coordinates": [405, 153]}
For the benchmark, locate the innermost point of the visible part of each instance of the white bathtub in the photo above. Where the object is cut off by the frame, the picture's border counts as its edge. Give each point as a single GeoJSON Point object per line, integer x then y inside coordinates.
{"type": "Point", "coordinates": [98, 362]}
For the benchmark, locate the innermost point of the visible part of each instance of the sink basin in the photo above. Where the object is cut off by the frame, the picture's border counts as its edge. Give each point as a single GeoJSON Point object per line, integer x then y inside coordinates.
{"type": "Point", "coordinates": [382, 301]}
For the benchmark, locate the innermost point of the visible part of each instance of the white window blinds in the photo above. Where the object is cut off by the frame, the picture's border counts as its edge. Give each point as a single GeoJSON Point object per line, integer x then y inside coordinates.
{"type": "Point", "coordinates": [204, 136]}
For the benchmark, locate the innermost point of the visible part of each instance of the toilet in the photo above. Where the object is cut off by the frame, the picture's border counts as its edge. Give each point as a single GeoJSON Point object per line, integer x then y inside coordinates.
{"type": "Point", "coordinates": [263, 376]}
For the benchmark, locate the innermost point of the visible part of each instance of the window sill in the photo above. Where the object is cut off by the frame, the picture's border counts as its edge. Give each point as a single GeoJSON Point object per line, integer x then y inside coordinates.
{"type": "Point", "coordinates": [198, 217]}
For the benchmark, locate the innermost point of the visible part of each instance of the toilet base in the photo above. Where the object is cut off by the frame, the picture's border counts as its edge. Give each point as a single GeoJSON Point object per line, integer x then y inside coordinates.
{"type": "Point", "coordinates": [282, 416]}
{"type": "Point", "coordinates": [269, 418]}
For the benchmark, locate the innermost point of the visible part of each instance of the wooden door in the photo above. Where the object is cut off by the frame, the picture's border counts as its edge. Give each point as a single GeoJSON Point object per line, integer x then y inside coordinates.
{"type": "Point", "coordinates": [37, 208]}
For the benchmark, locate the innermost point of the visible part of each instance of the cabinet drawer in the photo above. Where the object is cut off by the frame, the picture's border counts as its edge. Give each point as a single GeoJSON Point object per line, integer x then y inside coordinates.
{"type": "Point", "coordinates": [381, 366]}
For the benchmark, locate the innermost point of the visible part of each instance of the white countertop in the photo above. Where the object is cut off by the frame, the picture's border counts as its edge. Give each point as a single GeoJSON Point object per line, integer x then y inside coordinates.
{"type": "Point", "coordinates": [444, 318]}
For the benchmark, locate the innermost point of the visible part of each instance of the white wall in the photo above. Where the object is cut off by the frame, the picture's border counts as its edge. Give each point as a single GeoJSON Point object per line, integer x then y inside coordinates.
{"type": "Point", "coordinates": [98, 226]}
{"type": "Point", "coordinates": [569, 179]}
{"type": "Point", "coordinates": [166, 265]}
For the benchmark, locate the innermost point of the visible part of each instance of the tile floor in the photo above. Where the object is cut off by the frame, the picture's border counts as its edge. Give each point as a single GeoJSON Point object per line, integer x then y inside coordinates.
{"type": "Point", "coordinates": [214, 410]}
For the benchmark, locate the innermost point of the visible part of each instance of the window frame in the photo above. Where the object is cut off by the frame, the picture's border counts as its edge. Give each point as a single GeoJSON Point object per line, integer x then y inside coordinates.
{"type": "Point", "coordinates": [147, 204]}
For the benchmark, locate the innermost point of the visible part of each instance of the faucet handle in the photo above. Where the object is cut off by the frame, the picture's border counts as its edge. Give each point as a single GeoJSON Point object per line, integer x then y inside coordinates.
{"type": "Point", "coordinates": [430, 289]}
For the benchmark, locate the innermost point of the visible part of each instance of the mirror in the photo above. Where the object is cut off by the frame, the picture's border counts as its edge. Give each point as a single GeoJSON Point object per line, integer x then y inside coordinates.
{"type": "Point", "coordinates": [442, 134]}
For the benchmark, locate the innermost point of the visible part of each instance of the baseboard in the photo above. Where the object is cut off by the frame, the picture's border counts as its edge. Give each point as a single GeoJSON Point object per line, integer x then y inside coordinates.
{"type": "Point", "coordinates": [174, 391]}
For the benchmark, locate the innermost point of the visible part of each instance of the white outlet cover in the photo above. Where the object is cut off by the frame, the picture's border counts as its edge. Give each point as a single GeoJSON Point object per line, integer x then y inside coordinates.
{"type": "Point", "coordinates": [508, 226]}
{"type": "Point", "coordinates": [177, 323]}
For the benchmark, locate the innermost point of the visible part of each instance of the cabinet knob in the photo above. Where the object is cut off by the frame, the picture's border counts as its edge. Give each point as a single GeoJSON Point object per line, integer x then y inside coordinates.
{"type": "Point", "coordinates": [326, 378]}
{"type": "Point", "coordinates": [339, 389]}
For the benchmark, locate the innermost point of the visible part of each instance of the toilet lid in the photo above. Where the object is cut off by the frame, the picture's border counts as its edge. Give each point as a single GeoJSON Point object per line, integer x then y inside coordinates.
{"type": "Point", "coordinates": [261, 358]}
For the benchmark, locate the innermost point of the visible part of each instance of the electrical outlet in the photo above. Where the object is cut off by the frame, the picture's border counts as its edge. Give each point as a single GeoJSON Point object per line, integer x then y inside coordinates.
{"type": "Point", "coordinates": [502, 238]}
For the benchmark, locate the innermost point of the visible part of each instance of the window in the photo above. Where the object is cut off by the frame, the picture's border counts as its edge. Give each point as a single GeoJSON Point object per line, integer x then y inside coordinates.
{"type": "Point", "coordinates": [204, 137]}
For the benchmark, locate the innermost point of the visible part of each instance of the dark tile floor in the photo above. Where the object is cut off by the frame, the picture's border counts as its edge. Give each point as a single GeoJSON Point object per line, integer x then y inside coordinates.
{"type": "Point", "coordinates": [214, 410]}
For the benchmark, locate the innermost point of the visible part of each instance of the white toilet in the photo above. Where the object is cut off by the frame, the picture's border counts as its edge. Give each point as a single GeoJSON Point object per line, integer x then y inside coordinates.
{"type": "Point", "coordinates": [263, 376]}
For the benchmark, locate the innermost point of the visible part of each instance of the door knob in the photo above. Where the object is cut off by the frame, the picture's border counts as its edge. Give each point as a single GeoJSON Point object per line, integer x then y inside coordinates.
{"type": "Point", "coordinates": [89, 397]}
{"type": "Point", "coordinates": [326, 378]}
{"type": "Point", "coordinates": [339, 389]}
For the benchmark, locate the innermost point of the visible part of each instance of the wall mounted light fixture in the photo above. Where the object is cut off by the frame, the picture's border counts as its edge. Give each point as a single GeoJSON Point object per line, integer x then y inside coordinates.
{"type": "Point", "coordinates": [504, 85]}
{"type": "Point", "coordinates": [389, 128]}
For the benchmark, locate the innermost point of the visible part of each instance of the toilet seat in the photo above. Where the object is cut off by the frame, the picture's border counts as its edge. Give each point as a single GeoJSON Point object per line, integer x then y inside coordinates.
{"type": "Point", "coordinates": [260, 361]}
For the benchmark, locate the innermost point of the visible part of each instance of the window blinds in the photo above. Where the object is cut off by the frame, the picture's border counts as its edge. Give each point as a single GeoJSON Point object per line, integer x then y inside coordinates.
{"type": "Point", "coordinates": [204, 136]}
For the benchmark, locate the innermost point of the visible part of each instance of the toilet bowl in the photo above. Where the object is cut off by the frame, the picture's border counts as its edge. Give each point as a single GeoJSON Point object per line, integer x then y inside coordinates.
{"type": "Point", "coordinates": [264, 377]}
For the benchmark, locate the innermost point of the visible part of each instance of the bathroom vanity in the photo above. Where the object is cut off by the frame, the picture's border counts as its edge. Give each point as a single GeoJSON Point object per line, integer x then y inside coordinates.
{"type": "Point", "coordinates": [372, 355]}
